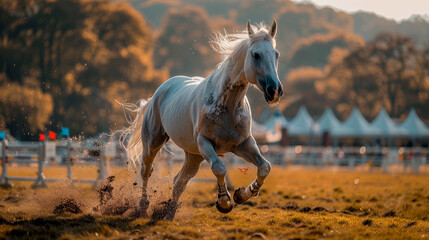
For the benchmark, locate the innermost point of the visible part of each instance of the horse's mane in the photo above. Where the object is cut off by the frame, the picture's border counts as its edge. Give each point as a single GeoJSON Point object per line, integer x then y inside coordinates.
{"type": "Point", "coordinates": [229, 44]}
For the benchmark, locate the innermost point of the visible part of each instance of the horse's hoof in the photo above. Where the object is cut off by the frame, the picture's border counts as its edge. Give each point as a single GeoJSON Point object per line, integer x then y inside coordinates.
{"type": "Point", "coordinates": [144, 204]}
{"type": "Point", "coordinates": [165, 212]}
{"type": "Point", "coordinates": [171, 211]}
{"type": "Point", "coordinates": [237, 196]}
{"type": "Point", "coordinates": [136, 212]}
{"type": "Point", "coordinates": [224, 210]}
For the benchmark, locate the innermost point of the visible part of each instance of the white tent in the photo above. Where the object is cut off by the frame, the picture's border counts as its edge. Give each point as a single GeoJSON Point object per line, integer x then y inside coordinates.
{"type": "Point", "coordinates": [276, 119]}
{"type": "Point", "coordinates": [389, 128]}
{"type": "Point", "coordinates": [359, 126]}
{"type": "Point", "coordinates": [329, 123]}
{"type": "Point", "coordinates": [264, 135]}
{"type": "Point", "coordinates": [301, 125]}
{"type": "Point", "coordinates": [415, 126]}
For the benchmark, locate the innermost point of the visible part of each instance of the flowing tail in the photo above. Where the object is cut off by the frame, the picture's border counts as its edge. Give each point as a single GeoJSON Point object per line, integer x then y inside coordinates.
{"type": "Point", "coordinates": [133, 145]}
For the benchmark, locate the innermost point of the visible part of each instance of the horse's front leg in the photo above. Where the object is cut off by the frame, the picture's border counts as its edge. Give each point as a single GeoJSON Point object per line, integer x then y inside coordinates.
{"type": "Point", "coordinates": [224, 203]}
{"type": "Point", "coordinates": [249, 151]}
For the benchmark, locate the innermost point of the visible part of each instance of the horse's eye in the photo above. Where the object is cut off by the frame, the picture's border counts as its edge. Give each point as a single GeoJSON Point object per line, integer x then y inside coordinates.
{"type": "Point", "coordinates": [256, 56]}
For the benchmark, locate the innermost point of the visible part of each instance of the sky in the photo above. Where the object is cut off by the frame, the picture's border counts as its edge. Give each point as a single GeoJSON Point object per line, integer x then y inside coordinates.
{"type": "Point", "coordinates": [393, 9]}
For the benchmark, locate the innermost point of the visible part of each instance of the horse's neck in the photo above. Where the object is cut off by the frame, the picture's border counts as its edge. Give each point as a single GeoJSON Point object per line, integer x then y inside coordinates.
{"type": "Point", "coordinates": [231, 84]}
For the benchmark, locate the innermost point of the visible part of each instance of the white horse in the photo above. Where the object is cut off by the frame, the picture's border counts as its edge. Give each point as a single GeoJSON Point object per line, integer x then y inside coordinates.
{"type": "Point", "coordinates": [209, 117]}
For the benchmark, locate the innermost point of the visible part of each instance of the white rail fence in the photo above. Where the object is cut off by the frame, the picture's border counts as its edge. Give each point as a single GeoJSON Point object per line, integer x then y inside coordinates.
{"type": "Point", "coordinates": [372, 157]}
{"type": "Point", "coordinates": [410, 159]}
{"type": "Point", "coordinates": [70, 154]}
{"type": "Point", "coordinates": [43, 154]}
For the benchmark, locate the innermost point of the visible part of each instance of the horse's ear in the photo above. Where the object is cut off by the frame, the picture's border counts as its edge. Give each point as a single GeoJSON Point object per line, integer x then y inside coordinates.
{"type": "Point", "coordinates": [250, 29]}
{"type": "Point", "coordinates": [273, 29]}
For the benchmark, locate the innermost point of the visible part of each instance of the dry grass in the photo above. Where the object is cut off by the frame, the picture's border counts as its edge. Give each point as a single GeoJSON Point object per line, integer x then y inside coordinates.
{"type": "Point", "coordinates": [294, 204]}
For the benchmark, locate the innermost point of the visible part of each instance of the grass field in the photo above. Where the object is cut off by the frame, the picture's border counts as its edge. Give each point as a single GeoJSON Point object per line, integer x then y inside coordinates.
{"type": "Point", "coordinates": [294, 204]}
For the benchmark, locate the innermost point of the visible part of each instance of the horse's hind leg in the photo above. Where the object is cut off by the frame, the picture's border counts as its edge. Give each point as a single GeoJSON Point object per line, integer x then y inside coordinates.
{"type": "Point", "coordinates": [188, 171]}
{"type": "Point", "coordinates": [153, 138]}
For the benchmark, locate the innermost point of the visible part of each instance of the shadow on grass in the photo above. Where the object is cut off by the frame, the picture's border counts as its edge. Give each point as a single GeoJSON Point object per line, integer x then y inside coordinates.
{"type": "Point", "coordinates": [54, 227]}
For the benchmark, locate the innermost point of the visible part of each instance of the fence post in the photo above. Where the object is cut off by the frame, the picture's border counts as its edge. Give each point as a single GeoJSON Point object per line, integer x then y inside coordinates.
{"type": "Point", "coordinates": [362, 161]}
{"type": "Point", "coordinates": [4, 177]}
{"type": "Point", "coordinates": [352, 163]}
{"type": "Point", "coordinates": [415, 165]}
{"type": "Point", "coordinates": [385, 163]}
{"type": "Point", "coordinates": [40, 180]}
{"type": "Point", "coordinates": [68, 160]}
{"type": "Point", "coordinates": [102, 170]}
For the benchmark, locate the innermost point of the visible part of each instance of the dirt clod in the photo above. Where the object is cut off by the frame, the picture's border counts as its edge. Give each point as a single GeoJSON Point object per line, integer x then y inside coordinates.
{"type": "Point", "coordinates": [319, 209]}
{"type": "Point", "coordinates": [351, 209]}
{"type": "Point", "coordinates": [106, 191]}
{"type": "Point", "coordinates": [305, 209]}
{"type": "Point", "coordinates": [389, 214]}
{"type": "Point", "coordinates": [249, 203]}
{"type": "Point", "coordinates": [13, 198]}
{"type": "Point", "coordinates": [291, 205]}
{"type": "Point", "coordinates": [67, 205]}
{"type": "Point", "coordinates": [367, 222]}
{"type": "Point", "coordinates": [289, 225]}
{"type": "Point", "coordinates": [410, 224]}
{"type": "Point", "coordinates": [118, 209]}
{"type": "Point", "coordinates": [164, 211]}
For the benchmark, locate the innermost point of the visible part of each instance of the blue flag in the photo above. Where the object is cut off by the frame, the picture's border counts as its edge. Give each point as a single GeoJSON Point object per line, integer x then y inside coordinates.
{"type": "Point", "coordinates": [65, 131]}
{"type": "Point", "coordinates": [2, 135]}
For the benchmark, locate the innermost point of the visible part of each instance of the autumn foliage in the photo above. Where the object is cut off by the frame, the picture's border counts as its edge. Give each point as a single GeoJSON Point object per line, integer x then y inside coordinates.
{"type": "Point", "coordinates": [67, 62]}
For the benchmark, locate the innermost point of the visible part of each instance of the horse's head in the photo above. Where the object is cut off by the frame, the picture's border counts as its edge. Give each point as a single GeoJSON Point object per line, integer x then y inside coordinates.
{"type": "Point", "coordinates": [260, 65]}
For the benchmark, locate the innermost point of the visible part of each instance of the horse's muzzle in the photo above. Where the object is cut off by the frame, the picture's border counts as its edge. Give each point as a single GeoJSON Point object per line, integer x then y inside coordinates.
{"type": "Point", "coordinates": [273, 91]}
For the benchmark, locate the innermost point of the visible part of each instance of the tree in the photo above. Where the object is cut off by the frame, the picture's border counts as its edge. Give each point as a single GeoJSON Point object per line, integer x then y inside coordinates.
{"type": "Point", "coordinates": [183, 42]}
{"type": "Point", "coordinates": [301, 91]}
{"type": "Point", "coordinates": [23, 110]}
{"type": "Point", "coordinates": [314, 51]}
{"type": "Point", "coordinates": [84, 54]}
{"type": "Point", "coordinates": [387, 72]}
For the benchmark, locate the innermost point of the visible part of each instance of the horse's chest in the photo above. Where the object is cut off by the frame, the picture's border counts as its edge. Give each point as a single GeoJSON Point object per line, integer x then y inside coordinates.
{"type": "Point", "coordinates": [227, 130]}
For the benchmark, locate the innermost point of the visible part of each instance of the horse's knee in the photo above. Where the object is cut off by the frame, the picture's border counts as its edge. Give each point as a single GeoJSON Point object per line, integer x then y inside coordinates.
{"type": "Point", "coordinates": [218, 169]}
{"type": "Point", "coordinates": [264, 169]}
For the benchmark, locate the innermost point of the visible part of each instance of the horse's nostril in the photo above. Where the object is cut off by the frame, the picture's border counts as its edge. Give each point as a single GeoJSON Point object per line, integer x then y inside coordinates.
{"type": "Point", "coordinates": [271, 91]}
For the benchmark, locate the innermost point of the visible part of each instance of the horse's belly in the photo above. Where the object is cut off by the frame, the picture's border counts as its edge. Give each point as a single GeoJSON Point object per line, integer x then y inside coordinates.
{"type": "Point", "coordinates": [176, 111]}
{"type": "Point", "coordinates": [182, 135]}
{"type": "Point", "coordinates": [178, 125]}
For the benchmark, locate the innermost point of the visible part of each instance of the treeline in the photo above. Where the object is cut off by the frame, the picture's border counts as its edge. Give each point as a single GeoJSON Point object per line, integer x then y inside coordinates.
{"type": "Point", "coordinates": [65, 62]}
{"type": "Point", "coordinates": [389, 71]}
{"type": "Point", "coordinates": [320, 50]}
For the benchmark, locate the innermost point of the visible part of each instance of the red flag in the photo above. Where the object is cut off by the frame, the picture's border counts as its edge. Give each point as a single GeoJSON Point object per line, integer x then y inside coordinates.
{"type": "Point", "coordinates": [52, 135]}
{"type": "Point", "coordinates": [41, 137]}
